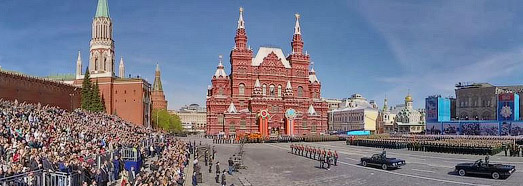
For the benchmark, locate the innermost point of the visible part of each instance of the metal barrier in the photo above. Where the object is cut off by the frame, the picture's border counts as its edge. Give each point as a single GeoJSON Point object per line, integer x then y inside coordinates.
{"type": "Point", "coordinates": [129, 154]}
{"type": "Point", "coordinates": [62, 179]}
{"type": "Point", "coordinates": [34, 178]}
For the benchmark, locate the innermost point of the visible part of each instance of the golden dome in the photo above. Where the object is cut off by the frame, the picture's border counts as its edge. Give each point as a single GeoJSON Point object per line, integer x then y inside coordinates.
{"type": "Point", "coordinates": [408, 98]}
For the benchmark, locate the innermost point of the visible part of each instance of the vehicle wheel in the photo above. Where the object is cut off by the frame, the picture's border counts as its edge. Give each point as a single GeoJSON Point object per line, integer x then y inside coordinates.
{"type": "Point", "coordinates": [364, 163]}
{"type": "Point", "coordinates": [461, 172]}
{"type": "Point", "coordinates": [384, 167]}
{"type": "Point", "coordinates": [495, 175]}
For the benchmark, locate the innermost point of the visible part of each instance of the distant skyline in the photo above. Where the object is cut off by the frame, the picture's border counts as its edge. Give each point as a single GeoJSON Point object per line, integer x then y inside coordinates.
{"type": "Point", "coordinates": [374, 48]}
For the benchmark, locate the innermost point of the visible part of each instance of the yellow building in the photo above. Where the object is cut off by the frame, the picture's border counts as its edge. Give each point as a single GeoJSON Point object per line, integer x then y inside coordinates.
{"type": "Point", "coordinates": [355, 113]}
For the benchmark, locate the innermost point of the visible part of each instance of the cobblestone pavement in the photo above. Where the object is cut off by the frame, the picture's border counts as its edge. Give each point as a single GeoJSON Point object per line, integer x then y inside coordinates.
{"type": "Point", "coordinates": [273, 164]}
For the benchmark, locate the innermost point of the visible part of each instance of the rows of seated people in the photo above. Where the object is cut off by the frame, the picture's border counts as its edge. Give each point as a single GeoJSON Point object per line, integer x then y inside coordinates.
{"type": "Point", "coordinates": [44, 138]}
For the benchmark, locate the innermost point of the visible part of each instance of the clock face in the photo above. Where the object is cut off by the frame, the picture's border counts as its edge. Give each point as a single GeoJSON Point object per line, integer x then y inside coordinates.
{"type": "Point", "coordinates": [290, 114]}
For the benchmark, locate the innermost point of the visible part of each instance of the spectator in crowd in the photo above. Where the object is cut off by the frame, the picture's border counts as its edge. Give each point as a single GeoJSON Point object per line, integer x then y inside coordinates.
{"type": "Point", "coordinates": [43, 138]}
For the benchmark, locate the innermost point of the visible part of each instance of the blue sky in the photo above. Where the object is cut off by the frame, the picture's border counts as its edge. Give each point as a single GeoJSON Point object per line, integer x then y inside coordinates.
{"type": "Point", "coordinates": [374, 48]}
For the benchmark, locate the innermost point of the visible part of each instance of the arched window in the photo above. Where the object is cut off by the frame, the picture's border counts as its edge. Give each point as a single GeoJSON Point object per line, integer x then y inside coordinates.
{"type": "Point", "coordinates": [264, 89]}
{"type": "Point", "coordinates": [279, 90]}
{"type": "Point", "coordinates": [300, 91]}
{"type": "Point", "coordinates": [241, 89]}
{"type": "Point", "coordinates": [271, 90]}
{"type": "Point", "coordinates": [220, 91]}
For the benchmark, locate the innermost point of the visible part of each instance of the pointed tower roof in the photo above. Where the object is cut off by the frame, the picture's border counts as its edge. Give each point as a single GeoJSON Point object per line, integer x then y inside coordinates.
{"type": "Point", "coordinates": [241, 23]}
{"type": "Point", "coordinates": [79, 60]}
{"type": "Point", "coordinates": [220, 71]}
{"type": "Point", "coordinates": [288, 85]}
{"type": "Point", "coordinates": [232, 108]}
{"type": "Point", "coordinates": [297, 29]}
{"type": "Point", "coordinates": [257, 91]}
{"type": "Point", "coordinates": [312, 76]}
{"type": "Point", "coordinates": [157, 86]}
{"type": "Point", "coordinates": [385, 104]}
{"type": "Point", "coordinates": [103, 9]}
{"type": "Point", "coordinates": [311, 110]}
{"type": "Point", "coordinates": [121, 69]}
{"type": "Point", "coordinates": [121, 63]}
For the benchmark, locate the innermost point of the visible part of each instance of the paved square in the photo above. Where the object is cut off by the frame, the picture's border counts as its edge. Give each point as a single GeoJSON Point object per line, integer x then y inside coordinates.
{"type": "Point", "coordinates": [273, 164]}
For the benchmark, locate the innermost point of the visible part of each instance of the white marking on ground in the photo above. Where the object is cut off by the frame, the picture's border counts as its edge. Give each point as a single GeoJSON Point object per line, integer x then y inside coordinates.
{"type": "Point", "coordinates": [395, 173]}
{"type": "Point", "coordinates": [413, 176]}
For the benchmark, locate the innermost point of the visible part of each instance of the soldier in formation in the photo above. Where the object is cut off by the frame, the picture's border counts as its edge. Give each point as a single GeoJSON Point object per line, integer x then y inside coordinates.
{"type": "Point", "coordinates": [458, 145]}
{"type": "Point", "coordinates": [326, 158]}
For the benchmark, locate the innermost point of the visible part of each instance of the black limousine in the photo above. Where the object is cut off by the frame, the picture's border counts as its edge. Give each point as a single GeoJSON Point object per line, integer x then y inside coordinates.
{"type": "Point", "coordinates": [382, 161]}
{"type": "Point", "coordinates": [479, 167]}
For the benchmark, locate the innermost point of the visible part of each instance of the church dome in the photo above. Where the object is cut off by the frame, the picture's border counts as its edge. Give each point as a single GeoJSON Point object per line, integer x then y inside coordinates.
{"type": "Point", "coordinates": [408, 98]}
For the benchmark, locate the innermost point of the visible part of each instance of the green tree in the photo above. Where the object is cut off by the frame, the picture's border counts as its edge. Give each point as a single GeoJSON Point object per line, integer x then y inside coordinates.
{"type": "Point", "coordinates": [166, 121]}
{"type": "Point", "coordinates": [96, 101]}
{"type": "Point", "coordinates": [86, 91]}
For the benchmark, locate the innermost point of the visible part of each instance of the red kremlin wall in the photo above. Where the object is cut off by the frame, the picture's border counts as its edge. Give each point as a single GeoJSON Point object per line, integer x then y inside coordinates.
{"type": "Point", "coordinates": [37, 90]}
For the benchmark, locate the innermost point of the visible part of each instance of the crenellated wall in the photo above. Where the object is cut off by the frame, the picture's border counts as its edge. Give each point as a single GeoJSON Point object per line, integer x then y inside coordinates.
{"type": "Point", "coordinates": [37, 90]}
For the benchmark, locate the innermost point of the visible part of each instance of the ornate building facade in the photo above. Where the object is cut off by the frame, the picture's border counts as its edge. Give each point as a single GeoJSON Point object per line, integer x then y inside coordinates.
{"type": "Point", "coordinates": [402, 118]}
{"type": "Point", "coordinates": [129, 98]}
{"type": "Point", "coordinates": [157, 96]}
{"type": "Point", "coordinates": [268, 93]}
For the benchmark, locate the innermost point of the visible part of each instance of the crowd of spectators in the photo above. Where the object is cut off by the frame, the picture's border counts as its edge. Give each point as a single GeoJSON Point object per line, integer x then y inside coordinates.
{"type": "Point", "coordinates": [44, 138]}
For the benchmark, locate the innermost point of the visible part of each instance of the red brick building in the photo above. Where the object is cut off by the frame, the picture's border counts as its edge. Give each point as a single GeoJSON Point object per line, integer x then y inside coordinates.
{"type": "Point", "coordinates": [36, 90]}
{"type": "Point", "coordinates": [127, 97]}
{"type": "Point", "coordinates": [268, 93]}
{"type": "Point", "coordinates": [157, 96]}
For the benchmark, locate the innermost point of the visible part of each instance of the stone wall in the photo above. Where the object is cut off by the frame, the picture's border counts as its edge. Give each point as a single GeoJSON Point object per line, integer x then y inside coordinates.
{"type": "Point", "coordinates": [37, 90]}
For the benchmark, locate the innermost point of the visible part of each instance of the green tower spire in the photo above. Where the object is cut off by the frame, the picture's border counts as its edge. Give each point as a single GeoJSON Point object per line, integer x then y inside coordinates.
{"type": "Point", "coordinates": [157, 86]}
{"type": "Point", "coordinates": [103, 9]}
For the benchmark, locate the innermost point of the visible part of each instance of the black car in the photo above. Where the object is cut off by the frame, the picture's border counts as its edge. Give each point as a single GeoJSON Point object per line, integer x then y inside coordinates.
{"type": "Point", "coordinates": [382, 161]}
{"type": "Point", "coordinates": [479, 167]}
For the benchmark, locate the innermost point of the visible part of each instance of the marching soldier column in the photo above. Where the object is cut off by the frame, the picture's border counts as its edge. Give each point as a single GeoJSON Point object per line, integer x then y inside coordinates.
{"type": "Point", "coordinates": [326, 158]}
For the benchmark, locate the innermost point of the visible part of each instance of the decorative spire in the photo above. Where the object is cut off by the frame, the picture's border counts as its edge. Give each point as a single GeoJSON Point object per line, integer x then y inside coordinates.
{"type": "Point", "coordinates": [257, 91]}
{"type": "Point", "coordinates": [241, 23]}
{"type": "Point", "coordinates": [297, 29]}
{"type": "Point", "coordinates": [311, 111]}
{"type": "Point", "coordinates": [79, 65]}
{"type": "Point", "coordinates": [157, 86]}
{"type": "Point", "coordinates": [297, 42]}
{"type": "Point", "coordinates": [103, 9]}
{"type": "Point", "coordinates": [232, 108]}
{"type": "Point", "coordinates": [385, 105]}
{"type": "Point", "coordinates": [241, 36]}
{"type": "Point", "coordinates": [312, 75]}
{"type": "Point", "coordinates": [121, 69]}
{"type": "Point", "coordinates": [220, 71]}
{"type": "Point", "coordinates": [288, 89]}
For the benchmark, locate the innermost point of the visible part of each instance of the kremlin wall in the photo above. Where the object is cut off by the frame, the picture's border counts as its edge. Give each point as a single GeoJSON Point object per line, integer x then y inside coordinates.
{"type": "Point", "coordinates": [14, 86]}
